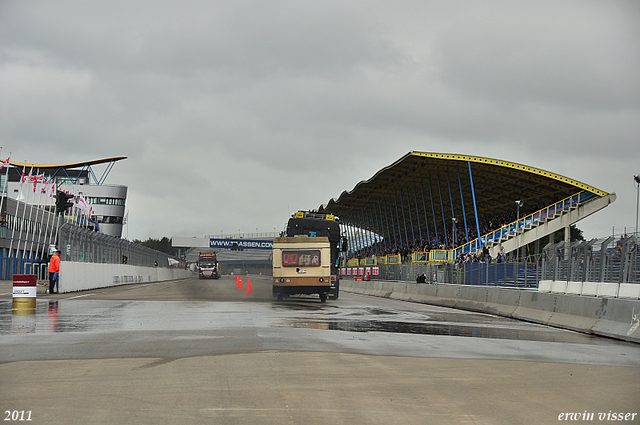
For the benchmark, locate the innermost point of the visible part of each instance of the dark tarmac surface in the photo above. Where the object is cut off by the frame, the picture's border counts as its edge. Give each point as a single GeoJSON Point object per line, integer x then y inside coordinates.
{"type": "Point", "coordinates": [201, 351]}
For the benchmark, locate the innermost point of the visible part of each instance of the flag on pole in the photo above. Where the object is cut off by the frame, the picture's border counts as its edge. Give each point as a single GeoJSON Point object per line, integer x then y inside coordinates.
{"type": "Point", "coordinates": [51, 189]}
{"type": "Point", "coordinates": [48, 188]}
{"type": "Point", "coordinates": [82, 204]}
{"type": "Point", "coordinates": [38, 178]}
{"type": "Point", "coordinates": [4, 163]}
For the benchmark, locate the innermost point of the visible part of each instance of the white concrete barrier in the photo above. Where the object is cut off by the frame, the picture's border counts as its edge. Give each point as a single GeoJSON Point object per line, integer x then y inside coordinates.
{"type": "Point", "coordinates": [590, 289]}
{"type": "Point", "coordinates": [574, 288]}
{"type": "Point", "coordinates": [84, 276]}
{"type": "Point", "coordinates": [629, 290]}
{"type": "Point", "coordinates": [559, 286]}
{"type": "Point", "coordinates": [544, 285]}
{"type": "Point", "coordinates": [607, 289]}
{"type": "Point", "coordinates": [605, 316]}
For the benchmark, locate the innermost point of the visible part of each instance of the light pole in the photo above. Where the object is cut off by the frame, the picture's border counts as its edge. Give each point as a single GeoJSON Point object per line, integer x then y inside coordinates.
{"type": "Point", "coordinates": [453, 231]}
{"type": "Point", "coordinates": [519, 204]}
{"type": "Point", "coordinates": [637, 180]}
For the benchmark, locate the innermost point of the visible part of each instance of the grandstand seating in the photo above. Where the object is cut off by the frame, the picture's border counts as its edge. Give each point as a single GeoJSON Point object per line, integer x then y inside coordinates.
{"type": "Point", "coordinates": [526, 223]}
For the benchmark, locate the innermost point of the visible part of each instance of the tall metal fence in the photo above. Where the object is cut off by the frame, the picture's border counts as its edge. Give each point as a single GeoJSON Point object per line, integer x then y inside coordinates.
{"type": "Point", "coordinates": [524, 274]}
{"type": "Point", "coordinates": [613, 259]}
{"type": "Point", "coordinates": [84, 245]}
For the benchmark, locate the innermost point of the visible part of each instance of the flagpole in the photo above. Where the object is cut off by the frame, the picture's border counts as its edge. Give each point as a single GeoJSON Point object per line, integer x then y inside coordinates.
{"type": "Point", "coordinates": [57, 227]}
{"type": "Point", "coordinates": [15, 224]}
{"type": "Point", "coordinates": [4, 194]}
{"type": "Point", "coordinates": [23, 228]}
{"type": "Point", "coordinates": [26, 236]}
{"type": "Point", "coordinates": [56, 219]}
{"type": "Point", "coordinates": [6, 179]}
{"type": "Point", "coordinates": [37, 230]}
{"type": "Point", "coordinates": [47, 231]}
{"type": "Point", "coordinates": [5, 183]}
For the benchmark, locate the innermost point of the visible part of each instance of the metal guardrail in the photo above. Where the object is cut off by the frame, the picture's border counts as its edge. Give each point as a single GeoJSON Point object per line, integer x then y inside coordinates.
{"type": "Point", "coordinates": [83, 245]}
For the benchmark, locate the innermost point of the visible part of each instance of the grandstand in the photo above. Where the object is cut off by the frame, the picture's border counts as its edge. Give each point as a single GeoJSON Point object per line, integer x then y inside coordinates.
{"type": "Point", "coordinates": [431, 207]}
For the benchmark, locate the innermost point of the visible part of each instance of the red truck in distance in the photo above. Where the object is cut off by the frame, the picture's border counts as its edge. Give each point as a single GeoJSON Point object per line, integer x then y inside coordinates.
{"type": "Point", "coordinates": [208, 265]}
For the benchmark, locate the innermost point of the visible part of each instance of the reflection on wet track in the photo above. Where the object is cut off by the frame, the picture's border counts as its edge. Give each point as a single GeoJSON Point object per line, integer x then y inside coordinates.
{"type": "Point", "coordinates": [103, 316]}
{"type": "Point", "coordinates": [474, 325]}
{"type": "Point", "coordinates": [191, 318]}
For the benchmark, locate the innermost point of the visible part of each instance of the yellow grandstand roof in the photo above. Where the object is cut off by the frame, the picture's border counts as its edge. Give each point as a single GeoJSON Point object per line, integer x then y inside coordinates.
{"type": "Point", "coordinates": [448, 180]}
{"type": "Point", "coordinates": [69, 165]}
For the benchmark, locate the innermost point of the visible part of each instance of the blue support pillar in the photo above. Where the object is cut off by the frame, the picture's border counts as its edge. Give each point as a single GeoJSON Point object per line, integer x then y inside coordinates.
{"type": "Point", "coordinates": [426, 218]}
{"type": "Point", "coordinates": [444, 220]}
{"type": "Point", "coordinates": [374, 232]}
{"type": "Point", "coordinates": [413, 234]}
{"type": "Point", "coordinates": [404, 220]}
{"type": "Point", "coordinates": [365, 220]}
{"type": "Point", "coordinates": [433, 212]}
{"type": "Point", "coordinates": [354, 233]}
{"type": "Point", "coordinates": [391, 234]}
{"type": "Point", "coordinates": [395, 200]}
{"type": "Point", "coordinates": [379, 231]}
{"type": "Point", "coordinates": [475, 207]}
{"type": "Point", "coordinates": [349, 235]}
{"type": "Point", "coordinates": [415, 198]}
{"type": "Point", "coordinates": [464, 214]}
{"type": "Point", "coordinates": [387, 237]}
{"type": "Point", "coordinates": [454, 235]}
{"type": "Point", "coordinates": [361, 240]}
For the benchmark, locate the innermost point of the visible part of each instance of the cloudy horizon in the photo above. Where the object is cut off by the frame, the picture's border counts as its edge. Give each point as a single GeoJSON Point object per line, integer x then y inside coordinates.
{"type": "Point", "coordinates": [233, 115]}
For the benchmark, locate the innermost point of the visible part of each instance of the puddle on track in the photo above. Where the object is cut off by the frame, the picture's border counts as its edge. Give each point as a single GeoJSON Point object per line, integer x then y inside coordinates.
{"type": "Point", "coordinates": [447, 329]}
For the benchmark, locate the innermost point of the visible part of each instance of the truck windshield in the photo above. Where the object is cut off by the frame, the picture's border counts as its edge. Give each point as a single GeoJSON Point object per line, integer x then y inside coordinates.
{"type": "Point", "coordinates": [301, 258]}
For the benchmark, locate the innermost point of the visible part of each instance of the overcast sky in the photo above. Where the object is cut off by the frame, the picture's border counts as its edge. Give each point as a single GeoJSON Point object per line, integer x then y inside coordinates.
{"type": "Point", "coordinates": [235, 114]}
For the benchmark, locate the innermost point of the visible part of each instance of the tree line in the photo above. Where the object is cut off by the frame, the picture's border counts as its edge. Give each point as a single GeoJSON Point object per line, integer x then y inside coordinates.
{"type": "Point", "coordinates": [162, 245]}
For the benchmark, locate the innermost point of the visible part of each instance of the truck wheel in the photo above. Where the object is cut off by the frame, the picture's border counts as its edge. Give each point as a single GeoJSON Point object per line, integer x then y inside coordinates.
{"type": "Point", "coordinates": [280, 296]}
{"type": "Point", "coordinates": [323, 297]}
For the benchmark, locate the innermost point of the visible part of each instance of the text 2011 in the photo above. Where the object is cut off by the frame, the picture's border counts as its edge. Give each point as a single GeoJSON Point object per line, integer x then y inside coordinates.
{"type": "Point", "coordinates": [17, 415]}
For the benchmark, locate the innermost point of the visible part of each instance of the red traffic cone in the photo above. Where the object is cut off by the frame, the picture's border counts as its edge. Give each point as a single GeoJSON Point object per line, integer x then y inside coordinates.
{"type": "Point", "coordinates": [239, 282]}
{"type": "Point", "coordinates": [248, 286]}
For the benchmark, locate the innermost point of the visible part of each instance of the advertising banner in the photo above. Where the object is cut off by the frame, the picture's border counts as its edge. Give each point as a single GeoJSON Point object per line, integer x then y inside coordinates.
{"type": "Point", "coordinates": [240, 243]}
{"type": "Point", "coordinates": [24, 286]}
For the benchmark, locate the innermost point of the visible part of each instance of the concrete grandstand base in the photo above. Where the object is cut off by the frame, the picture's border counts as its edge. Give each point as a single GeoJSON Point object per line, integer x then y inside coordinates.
{"type": "Point", "coordinates": [610, 317]}
{"type": "Point", "coordinates": [84, 276]}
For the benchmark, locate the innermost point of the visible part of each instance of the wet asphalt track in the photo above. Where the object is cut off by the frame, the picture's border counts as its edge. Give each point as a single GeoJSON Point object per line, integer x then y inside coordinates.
{"type": "Point", "coordinates": [201, 346]}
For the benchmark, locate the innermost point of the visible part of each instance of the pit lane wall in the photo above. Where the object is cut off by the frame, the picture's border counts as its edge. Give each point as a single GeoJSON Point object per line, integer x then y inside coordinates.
{"type": "Point", "coordinates": [84, 276]}
{"type": "Point", "coordinates": [603, 316]}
